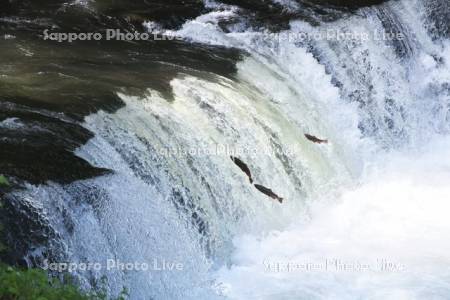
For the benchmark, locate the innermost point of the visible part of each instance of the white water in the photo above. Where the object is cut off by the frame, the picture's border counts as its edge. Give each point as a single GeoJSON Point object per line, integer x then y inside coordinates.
{"type": "Point", "coordinates": [145, 211]}
{"type": "Point", "coordinates": [394, 221]}
{"type": "Point", "coordinates": [379, 192]}
{"type": "Point", "coordinates": [391, 231]}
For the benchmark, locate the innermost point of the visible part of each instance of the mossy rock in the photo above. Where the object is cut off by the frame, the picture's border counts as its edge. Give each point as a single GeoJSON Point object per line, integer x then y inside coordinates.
{"type": "Point", "coordinates": [3, 181]}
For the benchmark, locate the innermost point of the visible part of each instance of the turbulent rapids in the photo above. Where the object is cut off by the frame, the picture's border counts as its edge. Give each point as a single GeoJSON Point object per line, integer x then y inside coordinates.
{"type": "Point", "coordinates": [118, 153]}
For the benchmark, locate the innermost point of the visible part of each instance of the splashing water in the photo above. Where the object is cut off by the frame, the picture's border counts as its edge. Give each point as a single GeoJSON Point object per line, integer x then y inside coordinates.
{"type": "Point", "coordinates": [364, 217]}
{"type": "Point", "coordinates": [383, 239]}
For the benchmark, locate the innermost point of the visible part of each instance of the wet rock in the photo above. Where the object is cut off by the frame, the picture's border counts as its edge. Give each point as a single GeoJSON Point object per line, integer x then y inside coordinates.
{"type": "Point", "coordinates": [41, 147]}
{"type": "Point", "coordinates": [270, 15]}
{"type": "Point", "coordinates": [169, 13]}
{"type": "Point", "coordinates": [27, 235]}
{"type": "Point", "coordinates": [353, 4]}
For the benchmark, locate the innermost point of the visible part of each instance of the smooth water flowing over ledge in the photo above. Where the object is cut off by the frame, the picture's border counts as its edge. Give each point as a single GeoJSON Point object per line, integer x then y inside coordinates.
{"type": "Point", "coordinates": [120, 151]}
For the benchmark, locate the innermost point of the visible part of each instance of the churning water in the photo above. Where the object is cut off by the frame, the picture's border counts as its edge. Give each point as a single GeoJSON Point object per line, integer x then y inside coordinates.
{"type": "Point", "coordinates": [364, 217]}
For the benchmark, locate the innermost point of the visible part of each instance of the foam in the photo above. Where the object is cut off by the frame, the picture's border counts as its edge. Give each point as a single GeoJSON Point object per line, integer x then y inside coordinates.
{"type": "Point", "coordinates": [398, 214]}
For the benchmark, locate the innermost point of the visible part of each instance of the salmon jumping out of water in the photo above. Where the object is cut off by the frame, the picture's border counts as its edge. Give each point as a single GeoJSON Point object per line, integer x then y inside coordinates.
{"type": "Point", "coordinates": [243, 166]}
{"type": "Point", "coordinates": [315, 139]}
{"type": "Point", "coordinates": [268, 192]}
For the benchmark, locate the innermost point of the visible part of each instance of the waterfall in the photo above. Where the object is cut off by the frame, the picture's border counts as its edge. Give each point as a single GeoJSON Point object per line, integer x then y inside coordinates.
{"type": "Point", "coordinates": [382, 237]}
{"type": "Point", "coordinates": [373, 199]}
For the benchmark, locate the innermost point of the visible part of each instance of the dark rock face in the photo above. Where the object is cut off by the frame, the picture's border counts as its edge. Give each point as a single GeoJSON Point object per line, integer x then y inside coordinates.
{"type": "Point", "coordinates": [170, 13]}
{"type": "Point", "coordinates": [350, 3]}
{"type": "Point", "coordinates": [174, 13]}
{"type": "Point", "coordinates": [270, 15]}
{"type": "Point", "coordinates": [5, 7]}
{"type": "Point", "coordinates": [36, 147]}
{"type": "Point", "coordinates": [24, 231]}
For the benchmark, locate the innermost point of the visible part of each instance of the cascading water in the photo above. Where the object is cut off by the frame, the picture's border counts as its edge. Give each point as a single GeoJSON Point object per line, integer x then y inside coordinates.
{"type": "Point", "coordinates": [382, 238]}
{"type": "Point", "coordinates": [374, 199]}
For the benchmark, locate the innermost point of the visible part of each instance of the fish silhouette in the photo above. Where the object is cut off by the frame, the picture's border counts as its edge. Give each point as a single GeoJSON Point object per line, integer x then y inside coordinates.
{"type": "Point", "coordinates": [243, 166]}
{"type": "Point", "coordinates": [268, 192]}
{"type": "Point", "coordinates": [315, 139]}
